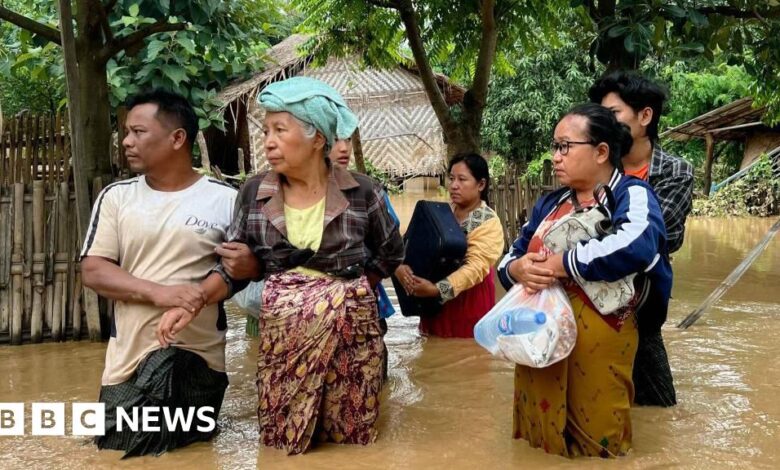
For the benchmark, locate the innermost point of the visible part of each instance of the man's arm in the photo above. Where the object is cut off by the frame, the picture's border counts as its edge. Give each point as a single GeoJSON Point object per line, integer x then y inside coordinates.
{"type": "Point", "coordinates": [111, 281]}
{"type": "Point", "coordinates": [674, 189]}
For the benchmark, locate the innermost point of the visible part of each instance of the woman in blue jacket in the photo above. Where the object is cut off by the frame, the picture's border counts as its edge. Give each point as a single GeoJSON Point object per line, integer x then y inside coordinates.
{"type": "Point", "coordinates": [581, 405]}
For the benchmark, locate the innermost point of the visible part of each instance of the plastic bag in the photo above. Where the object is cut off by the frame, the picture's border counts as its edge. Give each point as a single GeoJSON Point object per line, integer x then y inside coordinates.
{"type": "Point", "coordinates": [250, 299]}
{"type": "Point", "coordinates": [552, 342]}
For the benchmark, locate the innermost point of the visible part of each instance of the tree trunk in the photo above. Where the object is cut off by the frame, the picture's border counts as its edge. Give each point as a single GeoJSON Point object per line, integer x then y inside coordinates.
{"type": "Point", "coordinates": [95, 117]}
{"type": "Point", "coordinates": [357, 146]}
{"type": "Point", "coordinates": [79, 135]}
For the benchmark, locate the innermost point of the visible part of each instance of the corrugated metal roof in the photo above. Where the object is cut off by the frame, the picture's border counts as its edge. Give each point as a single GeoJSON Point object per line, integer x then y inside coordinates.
{"type": "Point", "coordinates": [721, 122]}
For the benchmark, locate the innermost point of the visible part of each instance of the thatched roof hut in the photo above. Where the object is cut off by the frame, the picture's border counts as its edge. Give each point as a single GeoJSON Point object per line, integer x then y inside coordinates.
{"type": "Point", "coordinates": [398, 127]}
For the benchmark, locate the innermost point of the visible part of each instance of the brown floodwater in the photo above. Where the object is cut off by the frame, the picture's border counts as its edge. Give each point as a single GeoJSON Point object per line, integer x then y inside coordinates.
{"type": "Point", "coordinates": [448, 403]}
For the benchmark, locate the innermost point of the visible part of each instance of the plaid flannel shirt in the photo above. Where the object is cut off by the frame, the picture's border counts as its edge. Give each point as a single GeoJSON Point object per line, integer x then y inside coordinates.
{"type": "Point", "coordinates": [672, 180]}
{"type": "Point", "coordinates": [359, 233]}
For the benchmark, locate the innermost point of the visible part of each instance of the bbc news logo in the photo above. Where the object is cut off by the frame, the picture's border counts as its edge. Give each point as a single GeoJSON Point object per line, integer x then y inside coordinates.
{"type": "Point", "coordinates": [89, 419]}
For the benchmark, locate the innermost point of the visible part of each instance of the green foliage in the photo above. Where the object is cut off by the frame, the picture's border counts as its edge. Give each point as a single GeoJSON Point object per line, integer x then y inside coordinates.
{"type": "Point", "coordinates": [496, 166]}
{"type": "Point", "coordinates": [523, 109]}
{"type": "Point", "coordinates": [390, 186]}
{"type": "Point", "coordinates": [743, 32]}
{"type": "Point", "coordinates": [694, 93]}
{"type": "Point", "coordinates": [451, 32]}
{"type": "Point", "coordinates": [29, 65]}
{"type": "Point", "coordinates": [755, 194]}
{"type": "Point", "coordinates": [536, 166]}
{"type": "Point", "coordinates": [222, 40]}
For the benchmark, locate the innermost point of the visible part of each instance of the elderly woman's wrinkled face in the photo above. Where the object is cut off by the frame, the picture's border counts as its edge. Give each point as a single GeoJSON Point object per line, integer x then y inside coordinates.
{"type": "Point", "coordinates": [583, 162]}
{"type": "Point", "coordinates": [286, 145]}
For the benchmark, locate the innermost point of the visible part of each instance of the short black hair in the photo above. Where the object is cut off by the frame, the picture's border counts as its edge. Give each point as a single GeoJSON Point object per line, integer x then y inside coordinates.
{"type": "Point", "coordinates": [637, 91]}
{"type": "Point", "coordinates": [478, 167]}
{"type": "Point", "coordinates": [171, 106]}
{"type": "Point", "coordinates": [603, 126]}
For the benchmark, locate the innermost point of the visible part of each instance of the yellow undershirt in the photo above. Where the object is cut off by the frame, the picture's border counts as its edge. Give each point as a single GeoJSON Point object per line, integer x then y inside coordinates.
{"type": "Point", "coordinates": [304, 230]}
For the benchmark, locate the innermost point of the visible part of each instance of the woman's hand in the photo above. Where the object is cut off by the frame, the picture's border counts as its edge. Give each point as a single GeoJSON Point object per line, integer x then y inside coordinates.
{"type": "Point", "coordinates": [554, 263]}
{"type": "Point", "coordinates": [405, 276]}
{"type": "Point", "coordinates": [172, 322]}
{"type": "Point", "coordinates": [531, 271]}
{"type": "Point", "coordinates": [424, 288]}
{"type": "Point", "coordinates": [239, 261]}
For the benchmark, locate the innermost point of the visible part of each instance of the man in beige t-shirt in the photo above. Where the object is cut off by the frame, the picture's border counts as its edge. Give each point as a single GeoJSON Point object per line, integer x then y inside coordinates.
{"type": "Point", "coordinates": [150, 247]}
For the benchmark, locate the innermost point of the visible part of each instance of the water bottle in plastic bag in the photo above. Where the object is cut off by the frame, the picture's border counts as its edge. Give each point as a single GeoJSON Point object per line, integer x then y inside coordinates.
{"type": "Point", "coordinates": [512, 322]}
{"type": "Point", "coordinates": [529, 340]}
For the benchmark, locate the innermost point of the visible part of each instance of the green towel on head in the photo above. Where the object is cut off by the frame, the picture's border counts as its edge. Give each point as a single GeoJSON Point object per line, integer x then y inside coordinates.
{"type": "Point", "coordinates": [311, 101]}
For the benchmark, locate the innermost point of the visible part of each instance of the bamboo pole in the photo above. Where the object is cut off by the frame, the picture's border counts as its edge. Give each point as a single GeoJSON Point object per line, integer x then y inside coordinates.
{"type": "Point", "coordinates": [50, 251]}
{"type": "Point", "coordinates": [36, 320]}
{"type": "Point", "coordinates": [59, 150]}
{"type": "Point", "coordinates": [5, 261]}
{"type": "Point", "coordinates": [74, 280]}
{"type": "Point", "coordinates": [732, 278]}
{"type": "Point", "coordinates": [27, 254]}
{"type": "Point", "coordinates": [3, 147]}
{"type": "Point", "coordinates": [17, 270]}
{"type": "Point", "coordinates": [28, 147]}
{"type": "Point", "coordinates": [60, 264]}
{"type": "Point", "coordinates": [15, 153]}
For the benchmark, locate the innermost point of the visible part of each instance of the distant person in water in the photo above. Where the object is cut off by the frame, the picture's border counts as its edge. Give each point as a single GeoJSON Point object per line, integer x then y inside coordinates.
{"type": "Point", "coordinates": [469, 292]}
{"type": "Point", "coordinates": [638, 103]}
{"type": "Point", "coordinates": [150, 248]}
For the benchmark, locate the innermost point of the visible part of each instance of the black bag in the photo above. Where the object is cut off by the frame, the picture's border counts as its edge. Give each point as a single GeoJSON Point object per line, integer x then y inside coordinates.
{"type": "Point", "coordinates": [435, 247]}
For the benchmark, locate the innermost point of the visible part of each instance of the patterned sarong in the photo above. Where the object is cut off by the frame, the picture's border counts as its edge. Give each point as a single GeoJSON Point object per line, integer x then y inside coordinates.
{"type": "Point", "coordinates": [319, 364]}
{"type": "Point", "coordinates": [172, 378]}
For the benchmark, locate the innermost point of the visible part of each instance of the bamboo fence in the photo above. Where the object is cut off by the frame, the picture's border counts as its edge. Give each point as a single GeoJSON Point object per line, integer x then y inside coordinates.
{"type": "Point", "coordinates": [514, 195]}
{"type": "Point", "coordinates": [40, 285]}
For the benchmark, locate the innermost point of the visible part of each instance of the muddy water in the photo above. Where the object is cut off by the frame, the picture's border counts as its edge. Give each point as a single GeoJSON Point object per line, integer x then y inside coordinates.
{"type": "Point", "coordinates": [448, 403]}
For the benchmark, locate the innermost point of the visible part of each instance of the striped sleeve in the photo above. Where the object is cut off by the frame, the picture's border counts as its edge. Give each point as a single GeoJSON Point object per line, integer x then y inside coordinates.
{"type": "Point", "coordinates": [102, 238]}
{"type": "Point", "coordinates": [633, 248]}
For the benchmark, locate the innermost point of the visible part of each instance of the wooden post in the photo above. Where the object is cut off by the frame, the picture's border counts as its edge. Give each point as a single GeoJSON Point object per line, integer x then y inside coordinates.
{"type": "Point", "coordinates": [357, 147]}
{"type": "Point", "coordinates": [708, 163]}
{"type": "Point", "coordinates": [38, 258]}
{"type": "Point", "coordinates": [17, 265]}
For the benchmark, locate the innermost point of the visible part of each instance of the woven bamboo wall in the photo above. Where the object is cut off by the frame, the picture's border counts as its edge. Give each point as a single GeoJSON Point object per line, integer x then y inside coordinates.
{"type": "Point", "coordinates": [400, 132]}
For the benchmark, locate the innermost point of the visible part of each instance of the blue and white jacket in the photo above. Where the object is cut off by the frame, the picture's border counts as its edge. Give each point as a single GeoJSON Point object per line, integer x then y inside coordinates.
{"type": "Point", "coordinates": [638, 246]}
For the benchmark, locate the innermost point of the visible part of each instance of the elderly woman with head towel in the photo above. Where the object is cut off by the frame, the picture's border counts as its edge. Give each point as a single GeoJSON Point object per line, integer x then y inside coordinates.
{"type": "Point", "coordinates": [323, 239]}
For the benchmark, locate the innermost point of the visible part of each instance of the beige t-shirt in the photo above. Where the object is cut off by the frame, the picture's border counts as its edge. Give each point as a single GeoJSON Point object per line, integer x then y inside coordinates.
{"type": "Point", "coordinates": [167, 238]}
